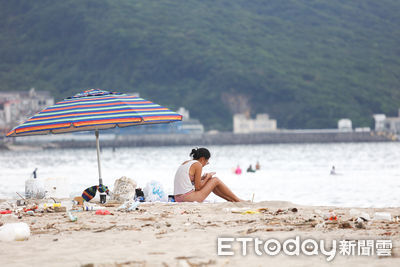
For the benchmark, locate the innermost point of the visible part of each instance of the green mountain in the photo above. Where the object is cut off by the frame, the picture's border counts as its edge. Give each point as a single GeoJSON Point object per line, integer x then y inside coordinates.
{"type": "Point", "coordinates": [305, 62]}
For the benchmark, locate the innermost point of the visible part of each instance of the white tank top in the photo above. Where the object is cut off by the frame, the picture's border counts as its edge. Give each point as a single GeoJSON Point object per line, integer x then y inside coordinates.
{"type": "Point", "coordinates": [182, 182]}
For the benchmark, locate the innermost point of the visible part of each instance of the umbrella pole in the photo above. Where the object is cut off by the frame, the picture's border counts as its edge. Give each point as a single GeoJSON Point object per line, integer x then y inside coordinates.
{"type": "Point", "coordinates": [98, 155]}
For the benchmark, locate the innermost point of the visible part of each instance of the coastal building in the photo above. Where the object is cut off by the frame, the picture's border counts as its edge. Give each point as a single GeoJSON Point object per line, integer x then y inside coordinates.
{"type": "Point", "coordinates": [345, 125]}
{"type": "Point", "coordinates": [242, 123]}
{"type": "Point", "coordinates": [189, 125]}
{"type": "Point", "coordinates": [17, 106]}
{"type": "Point", "coordinates": [379, 122]}
{"type": "Point", "coordinates": [387, 124]}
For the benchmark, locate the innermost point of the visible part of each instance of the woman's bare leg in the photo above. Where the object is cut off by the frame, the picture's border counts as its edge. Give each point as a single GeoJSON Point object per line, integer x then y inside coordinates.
{"type": "Point", "coordinates": [220, 194]}
{"type": "Point", "coordinates": [222, 191]}
{"type": "Point", "coordinates": [203, 193]}
{"type": "Point", "coordinates": [225, 191]}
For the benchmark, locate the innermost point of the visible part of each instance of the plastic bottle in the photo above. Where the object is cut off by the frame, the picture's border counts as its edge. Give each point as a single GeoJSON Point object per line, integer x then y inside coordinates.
{"type": "Point", "coordinates": [89, 207]}
{"type": "Point", "coordinates": [72, 218]}
{"type": "Point", "coordinates": [14, 231]}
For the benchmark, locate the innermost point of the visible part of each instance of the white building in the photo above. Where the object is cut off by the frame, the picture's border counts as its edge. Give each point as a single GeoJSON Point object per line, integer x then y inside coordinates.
{"type": "Point", "coordinates": [379, 122]}
{"type": "Point", "coordinates": [345, 125]}
{"type": "Point", "coordinates": [189, 125]}
{"type": "Point", "coordinates": [17, 106]}
{"type": "Point", "coordinates": [387, 124]}
{"type": "Point", "coordinates": [242, 123]}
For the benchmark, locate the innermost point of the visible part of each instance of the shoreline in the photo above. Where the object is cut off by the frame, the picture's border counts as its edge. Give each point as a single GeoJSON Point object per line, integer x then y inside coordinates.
{"type": "Point", "coordinates": [111, 140]}
{"type": "Point", "coordinates": [185, 234]}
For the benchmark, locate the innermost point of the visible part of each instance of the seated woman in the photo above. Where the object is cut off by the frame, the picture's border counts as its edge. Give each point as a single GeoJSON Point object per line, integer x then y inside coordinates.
{"type": "Point", "coordinates": [190, 185]}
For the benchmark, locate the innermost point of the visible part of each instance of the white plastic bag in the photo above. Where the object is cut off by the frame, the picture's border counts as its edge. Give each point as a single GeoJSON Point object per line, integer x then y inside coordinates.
{"type": "Point", "coordinates": [14, 231]}
{"type": "Point", "coordinates": [154, 191]}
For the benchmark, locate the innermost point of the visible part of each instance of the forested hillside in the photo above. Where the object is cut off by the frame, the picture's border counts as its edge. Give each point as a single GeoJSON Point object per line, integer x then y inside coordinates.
{"type": "Point", "coordinates": [305, 62]}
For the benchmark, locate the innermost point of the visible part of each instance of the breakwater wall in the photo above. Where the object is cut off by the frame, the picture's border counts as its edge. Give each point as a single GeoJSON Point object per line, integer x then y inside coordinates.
{"type": "Point", "coordinates": [280, 137]}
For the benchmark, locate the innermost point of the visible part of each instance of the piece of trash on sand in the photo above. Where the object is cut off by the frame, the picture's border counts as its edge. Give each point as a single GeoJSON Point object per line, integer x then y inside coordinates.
{"type": "Point", "coordinates": [129, 206]}
{"type": "Point", "coordinates": [14, 231]}
{"type": "Point", "coordinates": [78, 201]}
{"type": "Point", "coordinates": [34, 188]}
{"type": "Point", "coordinates": [320, 225]}
{"type": "Point", "coordinates": [345, 225]}
{"type": "Point", "coordinates": [361, 219]}
{"type": "Point", "coordinates": [21, 202]}
{"type": "Point", "coordinates": [71, 217]}
{"type": "Point", "coordinates": [382, 216]}
{"type": "Point", "coordinates": [102, 212]}
{"type": "Point", "coordinates": [250, 212]}
{"type": "Point", "coordinates": [5, 211]}
{"type": "Point", "coordinates": [90, 206]}
{"type": "Point", "coordinates": [359, 224]}
{"type": "Point", "coordinates": [30, 212]}
{"type": "Point", "coordinates": [154, 191]}
{"type": "Point", "coordinates": [262, 210]}
{"type": "Point", "coordinates": [331, 216]}
{"type": "Point", "coordinates": [236, 210]}
{"type": "Point", "coordinates": [354, 213]}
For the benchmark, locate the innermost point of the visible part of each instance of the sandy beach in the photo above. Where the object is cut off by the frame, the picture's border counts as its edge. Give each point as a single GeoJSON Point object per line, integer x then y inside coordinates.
{"type": "Point", "coordinates": [185, 234]}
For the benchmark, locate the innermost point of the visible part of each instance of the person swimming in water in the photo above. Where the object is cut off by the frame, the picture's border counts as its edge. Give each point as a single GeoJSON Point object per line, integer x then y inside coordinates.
{"type": "Point", "coordinates": [250, 169]}
{"type": "Point", "coordinates": [333, 171]}
{"type": "Point", "coordinates": [190, 185]}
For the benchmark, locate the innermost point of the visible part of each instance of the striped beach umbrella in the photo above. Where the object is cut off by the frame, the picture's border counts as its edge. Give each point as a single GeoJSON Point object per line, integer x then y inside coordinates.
{"type": "Point", "coordinates": [96, 110]}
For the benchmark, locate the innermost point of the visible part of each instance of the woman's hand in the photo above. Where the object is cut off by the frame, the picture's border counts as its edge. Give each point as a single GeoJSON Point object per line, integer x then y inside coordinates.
{"type": "Point", "coordinates": [207, 175]}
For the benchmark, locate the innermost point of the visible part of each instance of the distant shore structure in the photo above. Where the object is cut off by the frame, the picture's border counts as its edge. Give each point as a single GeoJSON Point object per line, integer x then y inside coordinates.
{"type": "Point", "coordinates": [345, 125]}
{"type": "Point", "coordinates": [242, 123]}
{"type": "Point", "coordinates": [387, 124]}
{"type": "Point", "coordinates": [17, 106]}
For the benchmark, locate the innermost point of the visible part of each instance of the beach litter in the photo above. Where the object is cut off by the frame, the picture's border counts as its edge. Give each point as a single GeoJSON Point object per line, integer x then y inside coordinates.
{"type": "Point", "coordinates": [236, 210]}
{"type": "Point", "coordinates": [91, 206]}
{"type": "Point", "coordinates": [129, 206]}
{"type": "Point", "coordinates": [102, 212]}
{"type": "Point", "coordinates": [21, 202]}
{"type": "Point", "coordinates": [382, 216]}
{"type": "Point", "coordinates": [5, 211]}
{"type": "Point", "coordinates": [14, 232]}
{"type": "Point", "coordinates": [359, 214]}
{"type": "Point", "coordinates": [250, 212]}
{"type": "Point", "coordinates": [124, 189]}
{"type": "Point", "coordinates": [154, 191]}
{"type": "Point", "coordinates": [30, 212]}
{"type": "Point", "coordinates": [359, 224]}
{"type": "Point", "coordinates": [320, 225]}
{"type": "Point", "coordinates": [331, 216]}
{"type": "Point", "coordinates": [71, 217]}
{"type": "Point", "coordinates": [345, 225]}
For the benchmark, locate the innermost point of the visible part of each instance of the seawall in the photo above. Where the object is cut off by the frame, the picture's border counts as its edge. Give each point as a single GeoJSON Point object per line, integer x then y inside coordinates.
{"type": "Point", "coordinates": [281, 137]}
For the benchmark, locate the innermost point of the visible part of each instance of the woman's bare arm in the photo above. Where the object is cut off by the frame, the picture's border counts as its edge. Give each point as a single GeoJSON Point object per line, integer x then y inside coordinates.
{"type": "Point", "coordinates": [197, 176]}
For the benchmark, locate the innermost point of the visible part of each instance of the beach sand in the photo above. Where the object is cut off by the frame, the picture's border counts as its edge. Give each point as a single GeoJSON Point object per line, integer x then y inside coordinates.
{"type": "Point", "coordinates": [185, 234]}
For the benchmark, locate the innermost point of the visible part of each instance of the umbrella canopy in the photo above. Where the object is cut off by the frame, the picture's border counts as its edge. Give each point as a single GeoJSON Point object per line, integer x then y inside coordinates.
{"type": "Point", "coordinates": [96, 110]}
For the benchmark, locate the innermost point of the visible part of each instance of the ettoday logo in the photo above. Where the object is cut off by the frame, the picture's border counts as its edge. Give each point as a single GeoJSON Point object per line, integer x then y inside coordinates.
{"type": "Point", "coordinates": [309, 247]}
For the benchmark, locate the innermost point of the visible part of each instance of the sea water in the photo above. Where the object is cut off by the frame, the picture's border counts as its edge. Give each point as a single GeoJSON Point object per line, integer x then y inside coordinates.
{"type": "Point", "coordinates": [368, 174]}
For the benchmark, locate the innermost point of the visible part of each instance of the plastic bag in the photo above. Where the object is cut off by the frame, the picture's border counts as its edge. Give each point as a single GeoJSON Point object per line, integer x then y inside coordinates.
{"type": "Point", "coordinates": [154, 192]}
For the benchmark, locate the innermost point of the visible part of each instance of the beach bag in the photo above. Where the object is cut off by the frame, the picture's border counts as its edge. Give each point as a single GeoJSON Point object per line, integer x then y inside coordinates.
{"type": "Point", "coordinates": [124, 189]}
